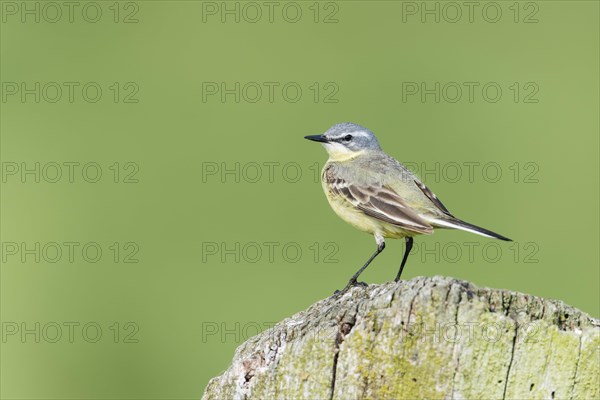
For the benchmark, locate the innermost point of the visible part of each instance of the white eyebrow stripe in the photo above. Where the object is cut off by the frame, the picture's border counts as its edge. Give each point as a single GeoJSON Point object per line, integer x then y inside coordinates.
{"type": "Point", "coordinates": [356, 133]}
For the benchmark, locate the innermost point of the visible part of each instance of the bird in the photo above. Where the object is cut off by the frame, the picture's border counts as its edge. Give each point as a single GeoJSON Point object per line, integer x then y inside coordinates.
{"type": "Point", "coordinates": [375, 193]}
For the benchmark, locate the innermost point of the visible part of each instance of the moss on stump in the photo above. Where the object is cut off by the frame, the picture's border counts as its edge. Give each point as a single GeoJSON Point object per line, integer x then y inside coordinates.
{"type": "Point", "coordinates": [427, 338]}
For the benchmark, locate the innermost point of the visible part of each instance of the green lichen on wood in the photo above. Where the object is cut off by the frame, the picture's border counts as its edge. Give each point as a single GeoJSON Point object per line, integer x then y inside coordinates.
{"type": "Point", "coordinates": [434, 338]}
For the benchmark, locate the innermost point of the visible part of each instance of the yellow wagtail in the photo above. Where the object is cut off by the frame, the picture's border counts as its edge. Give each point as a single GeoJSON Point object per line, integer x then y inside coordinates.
{"type": "Point", "coordinates": [377, 194]}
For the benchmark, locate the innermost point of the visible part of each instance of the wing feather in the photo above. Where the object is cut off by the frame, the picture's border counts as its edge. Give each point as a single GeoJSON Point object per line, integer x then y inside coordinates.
{"type": "Point", "coordinates": [382, 203]}
{"type": "Point", "coordinates": [434, 199]}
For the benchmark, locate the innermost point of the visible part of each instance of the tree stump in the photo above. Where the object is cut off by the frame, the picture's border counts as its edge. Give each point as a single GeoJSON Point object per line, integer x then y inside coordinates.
{"type": "Point", "coordinates": [427, 338]}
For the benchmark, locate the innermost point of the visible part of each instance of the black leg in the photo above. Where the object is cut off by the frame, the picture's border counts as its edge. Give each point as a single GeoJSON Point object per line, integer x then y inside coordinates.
{"type": "Point", "coordinates": [352, 280]}
{"type": "Point", "coordinates": [409, 243]}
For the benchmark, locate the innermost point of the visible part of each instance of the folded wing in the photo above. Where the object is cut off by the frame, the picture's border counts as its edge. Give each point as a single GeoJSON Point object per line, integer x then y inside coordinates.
{"type": "Point", "coordinates": [382, 203]}
{"type": "Point", "coordinates": [433, 198]}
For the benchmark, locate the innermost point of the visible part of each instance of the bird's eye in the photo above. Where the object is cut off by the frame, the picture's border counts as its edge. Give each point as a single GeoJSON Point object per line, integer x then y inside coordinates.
{"type": "Point", "coordinates": [348, 138]}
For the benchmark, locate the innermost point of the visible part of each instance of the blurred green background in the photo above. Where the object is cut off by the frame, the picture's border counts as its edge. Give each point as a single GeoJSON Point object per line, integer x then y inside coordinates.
{"type": "Point", "coordinates": [171, 321]}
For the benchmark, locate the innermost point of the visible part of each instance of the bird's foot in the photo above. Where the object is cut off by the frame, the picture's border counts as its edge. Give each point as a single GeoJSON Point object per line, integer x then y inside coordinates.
{"type": "Point", "coordinates": [349, 285]}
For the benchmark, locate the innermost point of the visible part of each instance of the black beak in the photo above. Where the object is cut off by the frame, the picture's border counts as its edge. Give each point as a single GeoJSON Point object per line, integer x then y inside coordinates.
{"type": "Point", "coordinates": [317, 138]}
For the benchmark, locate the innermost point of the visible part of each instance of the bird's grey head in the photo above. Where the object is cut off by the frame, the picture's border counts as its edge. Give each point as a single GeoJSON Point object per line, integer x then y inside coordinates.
{"type": "Point", "coordinates": [346, 139]}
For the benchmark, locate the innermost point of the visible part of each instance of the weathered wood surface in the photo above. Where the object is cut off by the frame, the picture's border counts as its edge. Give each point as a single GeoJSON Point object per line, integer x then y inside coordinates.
{"type": "Point", "coordinates": [427, 338]}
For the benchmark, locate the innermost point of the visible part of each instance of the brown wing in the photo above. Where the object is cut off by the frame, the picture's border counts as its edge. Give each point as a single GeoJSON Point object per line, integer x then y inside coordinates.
{"type": "Point", "coordinates": [382, 203]}
{"type": "Point", "coordinates": [431, 196]}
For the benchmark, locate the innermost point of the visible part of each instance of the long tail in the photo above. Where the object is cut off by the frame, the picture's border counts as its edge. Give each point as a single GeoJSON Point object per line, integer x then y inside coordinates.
{"type": "Point", "coordinates": [465, 226]}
